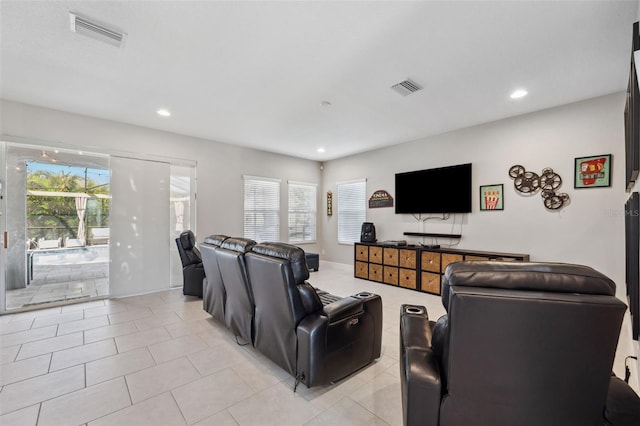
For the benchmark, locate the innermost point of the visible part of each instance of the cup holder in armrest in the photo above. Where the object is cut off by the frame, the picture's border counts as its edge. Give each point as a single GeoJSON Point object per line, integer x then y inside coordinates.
{"type": "Point", "coordinates": [364, 294]}
{"type": "Point", "coordinates": [415, 310]}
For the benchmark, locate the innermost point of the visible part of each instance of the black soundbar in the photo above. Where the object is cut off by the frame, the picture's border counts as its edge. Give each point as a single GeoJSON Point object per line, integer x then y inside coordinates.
{"type": "Point", "coordinates": [424, 234]}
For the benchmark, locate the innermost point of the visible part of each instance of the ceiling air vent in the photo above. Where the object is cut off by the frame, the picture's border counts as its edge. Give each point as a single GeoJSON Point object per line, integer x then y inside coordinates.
{"type": "Point", "coordinates": [406, 87]}
{"type": "Point", "coordinates": [95, 30]}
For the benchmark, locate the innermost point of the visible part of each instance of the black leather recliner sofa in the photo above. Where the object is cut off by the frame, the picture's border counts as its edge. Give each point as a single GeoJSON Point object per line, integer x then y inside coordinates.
{"type": "Point", "coordinates": [317, 337]}
{"type": "Point", "coordinates": [522, 344]}
{"type": "Point", "coordinates": [238, 308]}
{"type": "Point", "coordinates": [192, 268]}
{"type": "Point", "coordinates": [214, 295]}
{"type": "Point", "coordinates": [317, 344]}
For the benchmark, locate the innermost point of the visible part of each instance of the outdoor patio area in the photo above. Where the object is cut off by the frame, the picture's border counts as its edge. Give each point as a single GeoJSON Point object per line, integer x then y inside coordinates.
{"type": "Point", "coordinates": [63, 275]}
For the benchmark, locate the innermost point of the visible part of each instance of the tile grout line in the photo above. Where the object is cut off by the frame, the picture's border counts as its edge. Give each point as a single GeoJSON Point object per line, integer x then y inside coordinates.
{"type": "Point", "coordinates": [155, 361]}
{"type": "Point", "coordinates": [39, 411]}
{"type": "Point", "coordinates": [178, 405]}
{"type": "Point", "coordinates": [369, 411]}
{"type": "Point", "coordinates": [126, 383]}
{"type": "Point", "coordinates": [232, 416]}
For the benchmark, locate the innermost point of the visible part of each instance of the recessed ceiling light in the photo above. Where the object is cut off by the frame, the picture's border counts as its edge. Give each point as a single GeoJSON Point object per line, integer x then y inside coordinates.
{"type": "Point", "coordinates": [520, 93]}
{"type": "Point", "coordinates": [163, 112]}
{"type": "Point", "coordinates": [325, 104]}
{"type": "Point", "coordinates": [320, 150]}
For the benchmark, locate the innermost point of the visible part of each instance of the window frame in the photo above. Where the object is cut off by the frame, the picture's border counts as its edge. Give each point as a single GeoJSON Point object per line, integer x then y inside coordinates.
{"type": "Point", "coordinates": [360, 207]}
{"type": "Point", "coordinates": [312, 211]}
{"type": "Point", "coordinates": [273, 186]}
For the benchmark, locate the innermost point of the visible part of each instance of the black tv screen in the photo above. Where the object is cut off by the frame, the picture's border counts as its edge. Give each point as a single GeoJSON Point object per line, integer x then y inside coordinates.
{"type": "Point", "coordinates": [440, 190]}
{"type": "Point", "coordinates": [632, 249]}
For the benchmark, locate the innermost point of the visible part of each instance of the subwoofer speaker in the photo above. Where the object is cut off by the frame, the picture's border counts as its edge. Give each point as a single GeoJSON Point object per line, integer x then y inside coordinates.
{"type": "Point", "coordinates": [368, 233]}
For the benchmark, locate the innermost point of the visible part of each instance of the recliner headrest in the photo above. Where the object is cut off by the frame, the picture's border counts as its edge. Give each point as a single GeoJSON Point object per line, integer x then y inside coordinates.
{"type": "Point", "coordinates": [187, 240]}
{"type": "Point", "coordinates": [294, 254]}
{"type": "Point", "coordinates": [241, 245]}
{"type": "Point", "coordinates": [533, 276]}
{"type": "Point", "coordinates": [215, 240]}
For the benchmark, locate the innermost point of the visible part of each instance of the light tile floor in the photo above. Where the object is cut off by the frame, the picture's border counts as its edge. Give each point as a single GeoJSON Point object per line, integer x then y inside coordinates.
{"type": "Point", "coordinates": [64, 275]}
{"type": "Point", "coordinates": [72, 290]}
{"type": "Point", "coordinates": [160, 359]}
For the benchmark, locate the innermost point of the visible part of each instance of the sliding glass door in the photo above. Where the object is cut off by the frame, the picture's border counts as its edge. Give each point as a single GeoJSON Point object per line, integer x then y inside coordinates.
{"type": "Point", "coordinates": [54, 202]}
{"type": "Point", "coordinates": [153, 201]}
{"type": "Point", "coordinates": [3, 227]}
{"type": "Point", "coordinates": [182, 213]}
{"type": "Point", "coordinates": [139, 215]}
{"type": "Point", "coordinates": [79, 226]}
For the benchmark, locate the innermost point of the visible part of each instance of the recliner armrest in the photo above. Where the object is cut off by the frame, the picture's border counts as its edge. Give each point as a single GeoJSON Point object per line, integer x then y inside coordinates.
{"type": "Point", "coordinates": [193, 266]}
{"type": "Point", "coordinates": [343, 308]}
{"type": "Point", "coordinates": [310, 299]}
{"type": "Point", "coordinates": [415, 327]}
{"type": "Point", "coordinates": [623, 405]}
{"type": "Point", "coordinates": [421, 388]}
{"type": "Point", "coordinates": [419, 372]}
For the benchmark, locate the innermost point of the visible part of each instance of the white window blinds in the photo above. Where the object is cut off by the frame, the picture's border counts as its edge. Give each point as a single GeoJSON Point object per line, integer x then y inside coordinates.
{"type": "Point", "coordinates": [352, 205]}
{"type": "Point", "coordinates": [302, 212]}
{"type": "Point", "coordinates": [261, 208]}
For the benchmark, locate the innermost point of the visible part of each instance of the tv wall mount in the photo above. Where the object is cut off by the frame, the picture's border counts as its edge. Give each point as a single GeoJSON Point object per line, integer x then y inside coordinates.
{"type": "Point", "coordinates": [547, 183]}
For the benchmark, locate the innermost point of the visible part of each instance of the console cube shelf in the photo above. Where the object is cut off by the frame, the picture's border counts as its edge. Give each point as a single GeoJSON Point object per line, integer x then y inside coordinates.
{"type": "Point", "coordinates": [415, 267]}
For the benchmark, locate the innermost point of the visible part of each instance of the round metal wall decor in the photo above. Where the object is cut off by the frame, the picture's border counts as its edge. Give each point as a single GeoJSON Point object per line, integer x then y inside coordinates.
{"type": "Point", "coordinates": [527, 182]}
{"type": "Point", "coordinates": [550, 179]}
{"type": "Point", "coordinates": [548, 182]}
{"type": "Point", "coordinates": [555, 202]}
{"type": "Point", "coordinates": [516, 171]}
{"type": "Point", "coordinates": [524, 181]}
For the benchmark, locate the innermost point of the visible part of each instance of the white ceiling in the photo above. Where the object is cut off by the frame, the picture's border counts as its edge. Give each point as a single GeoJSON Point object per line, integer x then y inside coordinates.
{"type": "Point", "coordinates": [254, 73]}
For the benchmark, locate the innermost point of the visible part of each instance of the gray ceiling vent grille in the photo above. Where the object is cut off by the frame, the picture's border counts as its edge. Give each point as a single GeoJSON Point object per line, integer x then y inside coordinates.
{"type": "Point", "coordinates": [406, 87]}
{"type": "Point", "coordinates": [95, 30]}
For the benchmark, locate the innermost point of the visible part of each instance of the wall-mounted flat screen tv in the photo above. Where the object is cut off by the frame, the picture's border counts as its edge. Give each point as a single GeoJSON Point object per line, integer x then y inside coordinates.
{"type": "Point", "coordinates": [632, 249]}
{"type": "Point", "coordinates": [439, 190]}
{"type": "Point", "coordinates": [632, 116]}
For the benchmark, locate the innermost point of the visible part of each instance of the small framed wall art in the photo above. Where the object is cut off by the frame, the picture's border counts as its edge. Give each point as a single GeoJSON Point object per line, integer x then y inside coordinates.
{"type": "Point", "coordinates": [592, 172]}
{"type": "Point", "coordinates": [380, 198]}
{"type": "Point", "coordinates": [491, 197]}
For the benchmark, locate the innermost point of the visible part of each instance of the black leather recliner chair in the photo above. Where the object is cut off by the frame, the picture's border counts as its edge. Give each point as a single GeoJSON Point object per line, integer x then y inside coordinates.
{"type": "Point", "coordinates": [192, 269]}
{"type": "Point", "coordinates": [316, 344]}
{"type": "Point", "coordinates": [238, 308]}
{"type": "Point", "coordinates": [522, 344]}
{"type": "Point", "coordinates": [213, 292]}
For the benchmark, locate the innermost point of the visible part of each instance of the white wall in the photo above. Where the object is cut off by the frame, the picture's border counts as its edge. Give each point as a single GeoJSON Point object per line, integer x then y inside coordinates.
{"type": "Point", "coordinates": [219, 166]}
{"type": "Point", "coordinates": [589, 230]}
